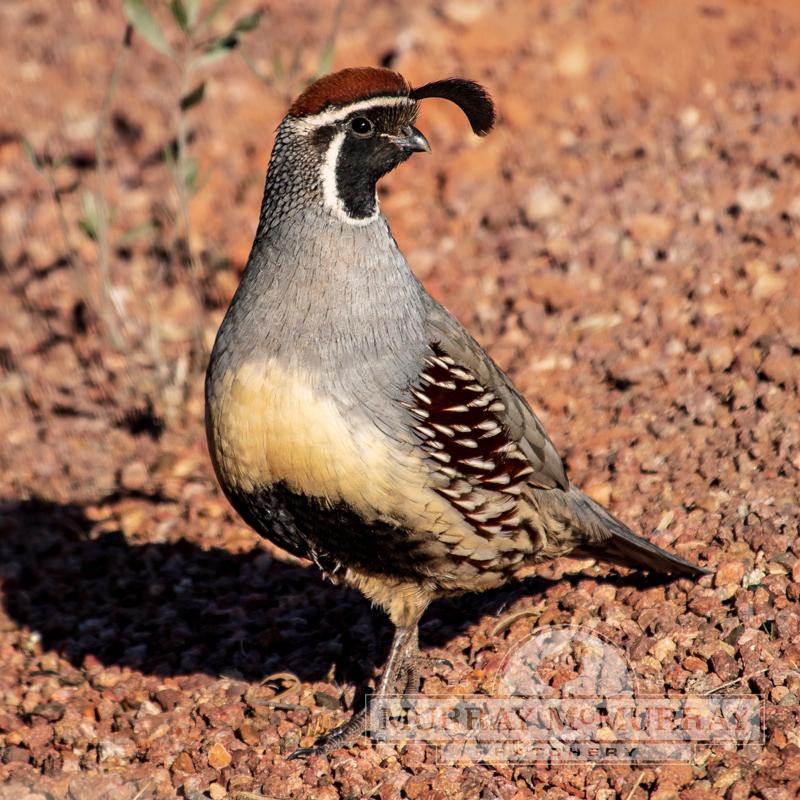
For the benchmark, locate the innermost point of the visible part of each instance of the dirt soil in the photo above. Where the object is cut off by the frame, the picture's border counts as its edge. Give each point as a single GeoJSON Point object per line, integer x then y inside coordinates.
{"type": "Point", "coordinates": [625, 244]}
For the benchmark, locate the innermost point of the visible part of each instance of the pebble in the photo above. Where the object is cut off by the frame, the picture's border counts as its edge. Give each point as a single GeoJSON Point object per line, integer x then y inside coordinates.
{"type": "Point", "coordinates": [134, 476]}
{"type": "Point", "coordinates": [572, 60]}
{"type": "Point", "coordinates": [768, 285]}
{"type": "Point", "coordinates": [218, 756]}
{"type": "Point", "coordinates": [759, 198]}
{"type": "Point", "coordinates": [542, 203]}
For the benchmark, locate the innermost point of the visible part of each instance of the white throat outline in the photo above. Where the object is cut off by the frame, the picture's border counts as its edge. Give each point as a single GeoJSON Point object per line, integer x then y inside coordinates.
{"type": "Point", "coordinates": [330, 191]}
{"type": "Point", "coordinates": [331, 116]}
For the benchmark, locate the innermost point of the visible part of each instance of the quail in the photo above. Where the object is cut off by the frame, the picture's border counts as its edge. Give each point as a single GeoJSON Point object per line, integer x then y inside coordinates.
{"type": "Point", "coordinates": [351, 419]}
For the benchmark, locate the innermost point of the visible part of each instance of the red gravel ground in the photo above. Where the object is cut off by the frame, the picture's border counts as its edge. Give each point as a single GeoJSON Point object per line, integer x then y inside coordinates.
{"type": "Point", "coordinates": [625, 244]}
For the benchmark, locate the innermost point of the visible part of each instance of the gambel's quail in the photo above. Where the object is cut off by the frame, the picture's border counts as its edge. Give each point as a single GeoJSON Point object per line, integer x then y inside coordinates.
{"type": "Point", "coordinates": [351, 419]}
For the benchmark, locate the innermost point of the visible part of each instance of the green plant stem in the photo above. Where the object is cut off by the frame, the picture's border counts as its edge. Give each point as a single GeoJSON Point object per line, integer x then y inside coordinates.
{"type": "Point", "coordinates": [111, 313]}
{"type": "Point", "coordinates": [183, 197]}
{"type": "Point", "coordinates": [62, 219]}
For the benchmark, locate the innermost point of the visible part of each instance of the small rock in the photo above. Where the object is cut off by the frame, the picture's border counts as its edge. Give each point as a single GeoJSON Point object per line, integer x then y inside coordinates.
{"type": "Point", "coordinates": [725, 665]}
{"type": "Point", "coordinates": [790, 699]}
{"type": "Point", "coordinates": [599, 322]}
{"type": "Point", "coordinates": [51, 711]}
{"type": "Point", "coordinates": [787, 624]}
{"type": "Point", "coordinates": [249, 733]}
{"type": "Point", "coordinates": [754, 577]}
{"type": "Point", "coordinates": [694, 664]}
{"type": "Point", "coordinates": [768, 285]}
{"type": "Point", "coordinates": [465, 13]}
{"type": "Point", "coordinates": [740, 790]}
{"type": "Point", "coordinates": [780, 365]}
{"type": "Point", "coordinates": [217, 791]}
{"type": "Point", "coordinates": [664, 650]}
{"type": "Point", "coordinates": [183, 763]}
{"type": "Point", "coordinates": [725, 777]}
{"type": "Point", "coordinates": [689, 117]}
{"type": "Point", "coordinates": [729, 572]}
{"type": "Point", "coordinates": [572, 60]}
{"type": "Point", "coordinates": [16, 755]}
{"type": "Point", "coordinates": [134, 476]}
{"type": "Point", "coordinates": [759, 198]}
{"type": "Point", "coordinates": [675, 775]}
{"type": "Point", "coordinates": [542, 203]}
{"type": "Point", "coordinates": [664, 793]}
{"type": "Point", "coordinates": [329, 792]}
{"type": "Point", "coordinates": [650, 229]}
{"type": "Point", "coordinates": [168, 698]}
{"type": "Point", "coordinates": [326, 700]}
{"type": "Point", "coordinates": [218, 756]}
{"type": "Point", "coordinates": [720, 355]}
{"type": "Point", "coordinates": [117, 749]}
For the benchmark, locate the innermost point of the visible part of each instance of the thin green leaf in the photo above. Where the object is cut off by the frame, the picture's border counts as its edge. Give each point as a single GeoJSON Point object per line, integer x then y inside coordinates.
{"type": "Point", "coordinates": [217, 49]}
{"type": "Point", "coordinates": [180, 14]}
{"type": "Point", "coordinates": [326, 56]}
{"type": "Point", "coordinates": [86, 225]}
{"type": "Point", "coordinates": [89, 222]}
{"type": "Point", "coordinates": [146, 25]}
{"type": "Point", "coordinates": [89, 204]}
{"type": "Point", "coordinates": [190, 175]}
{"type": "Point", "coordinates": [294, 69]}
{"type": "Point", "coordinates": [31, 155]}
{"type": "Point", "coordinates": [209, 18]}
{"type": "Point", "coordinates": [222, 46]}
{"type": "Point", "coordinates": [325, 59]}
{"type": "Point", "coordinates": [169, 156]}
{"type": "Point", "coordinates": [194, 97]}
{"type": "Point", "coordinates": [137, 231]}
{"type": "Point", "coordinates": [277, 66]}
{"type": "Point", "coordinates": [192, 7]}
{"type": "Point", "coordinates": [248, 22]}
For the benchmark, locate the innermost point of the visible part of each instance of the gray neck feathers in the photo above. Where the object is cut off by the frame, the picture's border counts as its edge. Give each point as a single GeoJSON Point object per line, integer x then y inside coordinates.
{"type": "Point", "coordinates": [335, 300]}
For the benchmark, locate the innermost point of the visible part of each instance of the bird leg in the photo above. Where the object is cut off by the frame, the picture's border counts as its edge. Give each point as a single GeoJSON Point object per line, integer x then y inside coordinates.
{"type": "Point", "coordinates": [404, 647]}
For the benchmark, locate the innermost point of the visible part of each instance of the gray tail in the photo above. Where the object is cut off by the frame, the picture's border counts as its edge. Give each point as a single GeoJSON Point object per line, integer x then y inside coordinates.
{"type": "Point", "coordinates": [610, 540]}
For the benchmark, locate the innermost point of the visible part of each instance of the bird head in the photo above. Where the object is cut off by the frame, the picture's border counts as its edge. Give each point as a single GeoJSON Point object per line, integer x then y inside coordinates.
{"type": "Point", "coordinates": [350, 128]}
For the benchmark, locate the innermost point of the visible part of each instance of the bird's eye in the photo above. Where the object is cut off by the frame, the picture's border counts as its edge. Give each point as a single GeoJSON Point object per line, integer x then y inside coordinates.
{"type": "Point", "coordinates": [361, 126]}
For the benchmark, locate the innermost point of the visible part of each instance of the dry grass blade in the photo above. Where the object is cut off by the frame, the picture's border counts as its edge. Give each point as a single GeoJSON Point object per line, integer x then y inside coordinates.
{"type": "Point", "coordinates": [505, 623]}
{"type": "Point", "coordinates": [740, 679]}
{"type": "Point", "coordinates": [111, 312]}
{"type": "Point", "coordinates": [635, 786]}
{"type": "Point", "coordinates": [278, 700]}
{"type": "Point", "coordinates": [140, 794]}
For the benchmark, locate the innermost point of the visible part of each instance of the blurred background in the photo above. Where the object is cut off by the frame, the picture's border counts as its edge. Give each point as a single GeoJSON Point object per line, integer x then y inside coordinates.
{"type": "Point", "coordinates": [625, 244]}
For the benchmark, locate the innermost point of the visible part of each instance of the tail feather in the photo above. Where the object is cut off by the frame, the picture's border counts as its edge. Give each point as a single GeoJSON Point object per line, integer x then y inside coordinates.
{"type": "Point", "coordinates": [608, 539]}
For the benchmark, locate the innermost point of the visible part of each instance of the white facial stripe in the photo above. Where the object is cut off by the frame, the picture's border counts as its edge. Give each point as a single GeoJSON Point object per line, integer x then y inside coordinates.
{"type": "Point", "coordinates": [330, 192]}
{"type": "Point", "coordinates": [334, 115]}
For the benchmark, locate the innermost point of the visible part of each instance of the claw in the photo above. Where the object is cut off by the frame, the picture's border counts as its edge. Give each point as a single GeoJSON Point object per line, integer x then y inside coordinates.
{"type": "Point", "coordinates": [302, 752]}
{"type": "Point", "coordinates": [341, 736]}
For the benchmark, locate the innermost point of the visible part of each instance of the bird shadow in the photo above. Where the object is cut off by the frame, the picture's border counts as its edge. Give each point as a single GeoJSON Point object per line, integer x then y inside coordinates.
{"type": "Point", "coordinates": [175, 608]}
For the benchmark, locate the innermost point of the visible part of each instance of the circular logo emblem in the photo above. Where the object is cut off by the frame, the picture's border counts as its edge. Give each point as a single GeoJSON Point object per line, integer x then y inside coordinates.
{"type": "Point", "coordinates": [564, 661]}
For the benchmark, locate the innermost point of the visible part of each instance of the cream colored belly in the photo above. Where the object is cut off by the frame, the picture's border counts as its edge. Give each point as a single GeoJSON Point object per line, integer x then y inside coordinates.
{"type": "Point", "coordinates": [267, 425]}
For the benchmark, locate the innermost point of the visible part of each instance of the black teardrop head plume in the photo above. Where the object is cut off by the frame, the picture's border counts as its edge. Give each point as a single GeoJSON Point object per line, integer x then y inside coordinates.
{"type": "Point", "coordinates": [469, 96]}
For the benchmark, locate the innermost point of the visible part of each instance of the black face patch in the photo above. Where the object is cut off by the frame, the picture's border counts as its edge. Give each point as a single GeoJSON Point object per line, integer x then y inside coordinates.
{"type": "Point", "coordinates": [366, 155]}
{"type": "Point", "coordinates": [361, 163]}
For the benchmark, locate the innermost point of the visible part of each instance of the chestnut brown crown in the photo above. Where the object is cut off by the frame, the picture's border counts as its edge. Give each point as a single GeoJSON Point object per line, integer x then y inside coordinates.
{"type": "Point", "coordinates": [356, 84]}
